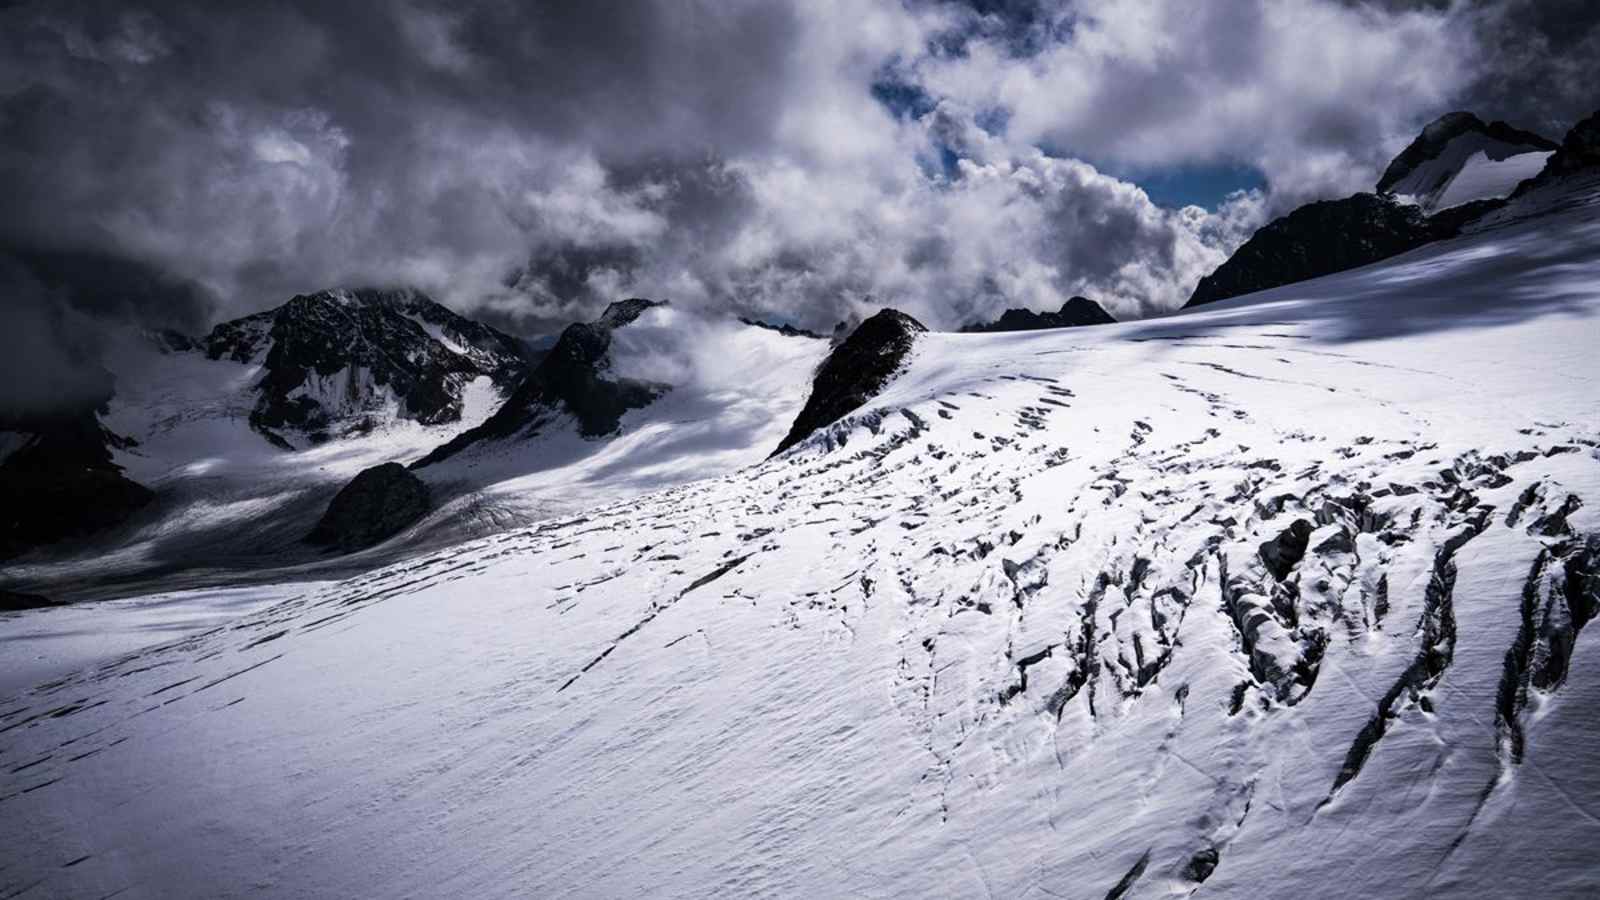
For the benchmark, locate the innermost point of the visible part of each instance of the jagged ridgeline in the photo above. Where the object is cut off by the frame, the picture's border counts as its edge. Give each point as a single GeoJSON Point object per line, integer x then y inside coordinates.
{"type": "Point", "coordinates": [574, 379]}
{"type": "Point", "coordinates": [342, 362]}
{"type": "Point", "coordinates": [1458, 172]}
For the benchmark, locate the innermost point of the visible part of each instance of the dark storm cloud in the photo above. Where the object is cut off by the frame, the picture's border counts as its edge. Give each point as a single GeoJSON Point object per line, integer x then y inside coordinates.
{"type": "Point", "coordinates": [797, 161]}
{"type": "Point", "coordinates": [59, 306]}
{"type": "Point", "coordinates": [1542, 63]}
{"type": "Point", "coordinates": [266, 147]}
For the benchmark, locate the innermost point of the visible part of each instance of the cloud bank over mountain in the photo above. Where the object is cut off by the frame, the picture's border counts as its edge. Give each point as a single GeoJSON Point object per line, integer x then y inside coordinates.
{"type": "Point", "coordinates": [798, 161]}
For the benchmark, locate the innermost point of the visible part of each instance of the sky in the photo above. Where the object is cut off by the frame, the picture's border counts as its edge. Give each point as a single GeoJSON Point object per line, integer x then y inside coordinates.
{"type": "Point", "coordinates": [796, 160]}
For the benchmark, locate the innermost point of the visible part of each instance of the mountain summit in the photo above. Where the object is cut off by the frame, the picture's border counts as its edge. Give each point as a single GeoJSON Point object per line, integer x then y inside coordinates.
{"type": "Point", "coordinates": [1077, 311]}
{"type": "Point", "coordinates": [341, 362]}
{"type": "Point", "coordinates": [1458, 158]}
{"type": "Point", "coordinates": [572, 378]}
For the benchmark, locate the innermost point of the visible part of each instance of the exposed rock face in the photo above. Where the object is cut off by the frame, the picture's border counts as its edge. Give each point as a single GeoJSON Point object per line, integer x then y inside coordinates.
{"type": "Point", "coordinates": [375, 505]}
{"type": "Point", "coordinates": [1075, 312]}
{"type": "Point", "coordinates": [1579, 150]}
{"type": "Point", "coordinates": [785, 330]}
{"type": "Point", "coordinates": [1438, 135]}
{"type": "Point", "coordinates": [1322, 238]}
{"type": "Point", "coordinates": [17, 601]}
{"type": "Point", "coordinates": [57, 480]}
{"type": "Point", "coordinates": [856, 371]}
{"type": "Point", "coordinates": [1319, 239]}
{"type": "Point", "coordinates": [572, 377]}
{"type": "Point", "coordinates": [336, 361]}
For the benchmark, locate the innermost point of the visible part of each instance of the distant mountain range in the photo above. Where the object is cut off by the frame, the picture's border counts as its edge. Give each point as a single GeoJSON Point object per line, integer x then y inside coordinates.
{"type": "Point", "coordinates": [335, 362]}
{"type": "Point", "coordinates": [1456, 173]}
{"type": "Point", "coordinates": [361, 378]}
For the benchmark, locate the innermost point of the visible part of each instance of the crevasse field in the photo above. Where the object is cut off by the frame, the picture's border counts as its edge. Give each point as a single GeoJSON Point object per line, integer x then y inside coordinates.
{"type": "Point", "coordinates": [1286, 597]}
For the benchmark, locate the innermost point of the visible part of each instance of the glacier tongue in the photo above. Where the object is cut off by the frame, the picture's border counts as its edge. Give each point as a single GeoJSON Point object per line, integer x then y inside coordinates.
{"type": "Point", "coordinates": [1283, 598]}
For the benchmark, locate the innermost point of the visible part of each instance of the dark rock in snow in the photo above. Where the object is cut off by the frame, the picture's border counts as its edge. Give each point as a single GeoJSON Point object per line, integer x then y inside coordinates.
{"type": "Point", "coordinates": [57, 478]}
{"type": "Point", "coordinates": [1075, 312]}
{"type": "Point", "coordinates": [855, 371]}
{"type": "Point", "coordinates": [1579, 150]}
{"type": "Point", "coordinates": [1284, 552]}
{"type": "Point", "coordinates": [571, 378]}
{"type": "Point", "coordinates": [1201, 865]}
{"type": "Point", "coordinates": [1319, 239]}
{"type": "Point", "coordinates": [375, 505]}
{"type": "Point", "coordinates": [333, 359]}
{"type": "Point", "coordinates": [1449, 222]}
{"type": "Point", "coordinates": [1442, 131]}
{"type": "Point", "coordinates": [17, 601]}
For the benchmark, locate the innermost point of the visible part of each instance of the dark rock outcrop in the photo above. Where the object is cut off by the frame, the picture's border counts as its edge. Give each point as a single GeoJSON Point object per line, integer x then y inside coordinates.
{"type": "Point", "coordinates": [58, 481]}
{"type": "Point", "coordinates": [573, 378]}
{"type": "Point", "coordinates": [17, 601]}
{"type": "Point", "coordinates": [1284, 552]}
{"type": "Point", "coordinates": [785, 330]}
{"type": "Point", "coordinates": [384, 345]}
{"type": "Point", "coordinates": [1579, 150]}
{"type": "Point", "coordinates": [1075, 312]}
{"type": "Point", "coordinates": [855, 371]}
{"type": "Point", "coordinates": [1441, 131]}
{"type": "Point", "coordinates": [374, 506]}
{"type": "Point", "coordinates": [1319, 239]}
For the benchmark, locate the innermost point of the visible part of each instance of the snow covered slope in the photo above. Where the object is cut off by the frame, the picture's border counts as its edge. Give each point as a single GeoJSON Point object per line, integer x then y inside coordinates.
{"type": "Point", "coordinates": [1483, 177]}
{"type": "Point", "coordinates": [1458, 159]}
{"type": "Point", "coordinates": [226, 500]}
{"type": "Point", "coordinates": [1284, 597]}
{"type": "Point", "coordinates": [729, 392]}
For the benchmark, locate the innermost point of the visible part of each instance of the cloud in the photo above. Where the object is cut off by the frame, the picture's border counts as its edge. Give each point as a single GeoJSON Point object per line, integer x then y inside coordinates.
{"type": "Point", "coordinates": [797, 161]}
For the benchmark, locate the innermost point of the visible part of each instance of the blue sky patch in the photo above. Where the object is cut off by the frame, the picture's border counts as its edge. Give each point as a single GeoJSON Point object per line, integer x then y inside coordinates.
{"type": "Point", "coordinates": [1205, 186]}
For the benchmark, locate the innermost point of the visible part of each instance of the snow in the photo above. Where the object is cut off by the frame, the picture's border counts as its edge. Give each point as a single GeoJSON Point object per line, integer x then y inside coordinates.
{"type": "Point", "coordinates": [1482, 178]}
{"type": "Point", "coordinates": [1472, 166]}
{"type": "Point", "coordinates": [227, 500]}
{"type": "Point", "coordinates": [734, 390]}
{"type": "Point", "coordinates": [41, 645]}
{"type": "Point", "coordinates": [439, 335]}
{"type": "Point", "coordinates": [1007, 631]}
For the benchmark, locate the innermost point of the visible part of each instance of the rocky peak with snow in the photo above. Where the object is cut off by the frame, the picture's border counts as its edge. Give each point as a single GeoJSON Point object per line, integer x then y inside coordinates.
{"type": "Point", "coordinates": [339, 362]}
{"type": "Point", "coordinates": [1579, 151]}
{"type": "Point", "coordinates": [1458, 158]}
{"type": "Point", "coordinates": [1077, 311]}
{"type": "Point", "coordinates": [573, 378]}
{"type": "Point", "coordinates": [58, 479]}
{"type": "Point", "coordinates": [855, 371]}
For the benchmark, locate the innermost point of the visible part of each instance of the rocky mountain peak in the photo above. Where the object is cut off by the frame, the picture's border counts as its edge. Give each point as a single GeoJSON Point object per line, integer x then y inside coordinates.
{"type": "Point", "coordinates": [1498, 139]}
{"type": "Point", "coordinates": [340, 361]}
{"type": "Point", "coordinates": [1075, 312]}
{"type": "Point", "coordinates": [855, 371]}
{"type": "Point", "coordinates": [1579, 150]}
{"type": "Point", "coordinates": [574, 377]}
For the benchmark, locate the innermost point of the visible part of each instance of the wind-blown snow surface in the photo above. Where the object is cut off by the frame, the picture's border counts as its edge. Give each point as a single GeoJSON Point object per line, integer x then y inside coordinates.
{"type": "Point", "coordinates": [1010, 631]}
